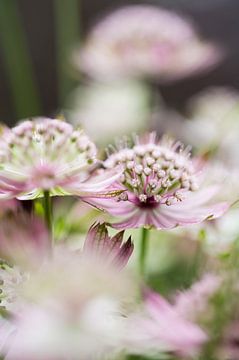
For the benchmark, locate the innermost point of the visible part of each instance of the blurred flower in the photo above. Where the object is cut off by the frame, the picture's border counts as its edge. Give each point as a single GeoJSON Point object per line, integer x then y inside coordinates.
{"type": "Point", "coordinates": [11, 278]}
{"type": "Point", "coordinates": [24, 239]}
{"type": "Point", "coordinates": [213, 123]}
{"type": "Point", "coordinates": [161, 186]}
{"type": "Point", "coordinates": [144, 41]}
{"type": "Point", "coordinates": [193, 304]}
{"type": "Point", "coordinates": [48, 154]}
{"type": "Point", "coordinates": [76, 303]}
{"type": "Point", "coordinates": [159, 327]}
{"type": "Point", "coordinates": [99, 244]}
{"type": "Point", "coordinates": [75, 299]}
{"type": "Point", "coordinates": [106, 110]}
{"type": "Point", "coordinates": [89, 334]}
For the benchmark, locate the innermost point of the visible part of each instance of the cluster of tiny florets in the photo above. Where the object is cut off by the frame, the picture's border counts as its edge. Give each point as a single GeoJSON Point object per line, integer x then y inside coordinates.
{"type": "Point", "coordinates": [155, 171]}
{"type": "Point", "coordinates": [45, 141]}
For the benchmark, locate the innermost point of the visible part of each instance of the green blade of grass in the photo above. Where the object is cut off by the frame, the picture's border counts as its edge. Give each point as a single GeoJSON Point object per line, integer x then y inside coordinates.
{"type": "Point", "coordinates": [67, 24]}
{"type": "Point", "coordinates": [17, 59]}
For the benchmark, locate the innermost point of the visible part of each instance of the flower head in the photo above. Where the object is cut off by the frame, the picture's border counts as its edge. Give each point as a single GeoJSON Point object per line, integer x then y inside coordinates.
{"type": "Point", "coordinates": [144, 41]}
{"type": "Point", "coordinates": [161, 186]}
{"type": "Point", "coordinates": [47, 154]}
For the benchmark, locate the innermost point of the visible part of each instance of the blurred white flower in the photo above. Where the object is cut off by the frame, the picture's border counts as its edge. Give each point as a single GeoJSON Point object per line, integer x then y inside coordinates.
{"type": "Point", "coordinates": [109, 110]}
{"type": "Point", "coordinates": [214, 123]}
{"type": "Point", "coordinates": [89, 334]}
{"type": "Point", "coordinates": [76, 300]}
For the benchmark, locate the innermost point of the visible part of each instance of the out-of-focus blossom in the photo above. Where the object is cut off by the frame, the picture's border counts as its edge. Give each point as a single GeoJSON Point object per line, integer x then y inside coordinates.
{"type": "Point", "coordinates": [7, 330]}
{"type": "Point", "coordinates": [193, 304]}
{"type": "Point", "coordinates": [144, 41]}
{"type": "Point", "coordinates": [99, 244]}
{"type": "Point", "coordinates": [24, 239]}
{"type": "Point", "coordinates": [75, 299]}
{"type": "Point", "coordinates": [213, 123]}
{"type": "Point", "coordinates": [78, 312]}
{"type": "Point", "coordinates": [161, 186]}
{"type": "Point", "coordinates": [89, 334]}
{"type": "Point", "coordinates": [106, 110]}
{"type": "Point", "coordinates": [11, 278]}
{"type": "Point", "coordinates": [159, 327]}
{"type": "Point", "coordinates": [48, 154]}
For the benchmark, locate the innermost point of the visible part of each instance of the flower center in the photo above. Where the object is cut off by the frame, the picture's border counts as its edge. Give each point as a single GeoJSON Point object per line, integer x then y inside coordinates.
{"type": "Point", "coordinates": [155, 173]}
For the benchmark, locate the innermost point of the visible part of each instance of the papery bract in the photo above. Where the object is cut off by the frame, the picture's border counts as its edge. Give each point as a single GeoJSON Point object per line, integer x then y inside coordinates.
{"type": "Point", "coordinates": [109, 250]}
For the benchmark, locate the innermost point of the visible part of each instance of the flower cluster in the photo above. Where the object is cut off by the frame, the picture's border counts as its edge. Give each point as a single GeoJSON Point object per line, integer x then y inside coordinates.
{"type": "Point", "coordinates": [77, 283]}
{"type": "Point", "coordinates": [144, 41]}
{"type": "Point", "coordinates": [47, 155]}
{"type": "Point", "coordinates": [162, 186]}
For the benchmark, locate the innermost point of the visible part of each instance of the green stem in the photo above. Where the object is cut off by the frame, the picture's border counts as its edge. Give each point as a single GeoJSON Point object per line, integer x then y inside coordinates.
{"type": "Point", "coordinates": [48, 211]}
{"type": "Point", "coordinates": [143, 251]}
{"type": "Point", "coordinates": [67, 24]}
{"type": "Point", "coordinates": [18, 63]}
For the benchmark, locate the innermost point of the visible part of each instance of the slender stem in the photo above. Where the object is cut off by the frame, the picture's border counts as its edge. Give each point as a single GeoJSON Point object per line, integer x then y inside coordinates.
{"type": "Point", "coordinates": [143, 250]}
{"type": "Point", "coordinates": [67, 30]}
{"type": "Point", "coordinates": [48, 211]}
{"type": "Point", "coordinates": [18, 62]}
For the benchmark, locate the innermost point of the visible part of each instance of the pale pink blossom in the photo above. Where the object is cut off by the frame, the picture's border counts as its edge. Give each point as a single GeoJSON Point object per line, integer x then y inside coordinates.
{"type": "Point", "coordinates": [162, 186]}
{"type": "Point", "coordinates": [76, 304]}
{"type": "Point", "coordinates": [49, 154]}
{"type": "Point", "coordinates": [91, 333]}
{"type": "Point", "coordinates": [144, 40]}
{"type": "Point", "coordinates": [75, 299]}
{"type": "Point", "coordinates": [159, 328]}
{"type": "Point", "coordinates": [24, 239]}
{"type": "Point", "coordinates": [193, 303]}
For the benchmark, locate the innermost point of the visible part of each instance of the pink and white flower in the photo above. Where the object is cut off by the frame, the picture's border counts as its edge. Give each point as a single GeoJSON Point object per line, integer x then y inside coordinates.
{"type": "Point", "coordinates": [73, 298]}
{"type": "Point", "coordinates": [144, 40]}
{"type": "Point", "coordinates": [193, 303]}
{"type": "Point", "coordinates": [48, 154]}
{"type": "Point", "coordinates": [159, 328]}
{"type": "Point", "coordinates": [162, 186]}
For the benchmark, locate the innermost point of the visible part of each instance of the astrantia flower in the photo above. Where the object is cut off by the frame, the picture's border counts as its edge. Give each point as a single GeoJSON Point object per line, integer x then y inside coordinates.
{"type": "Point", "coordinates": [109, 250]}
{"type": "Point", "coordinates": [73, 298]}
{"type": "Point", "coordinates": [158, 328]}
{"type": "Point", "coordinates": [162, 187]}
{"type": "Point", "coordinates": [144, 41]}
{"type": "Point", "coordinates": [48, 154]}
{"type": "Point", "coordinates": [76, 304]}
{"type": "Point", "coordinates": [193, 303]}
